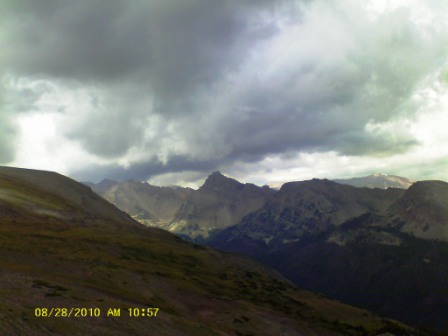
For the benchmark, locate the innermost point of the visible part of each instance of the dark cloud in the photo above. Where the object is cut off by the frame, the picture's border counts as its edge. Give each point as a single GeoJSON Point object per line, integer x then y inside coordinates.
{"type": "Point", "coordinates": [144, 170]}
{"type": "Point", "coordinates": [164, 51]}
{"type": "Point", "coordinates": [172, 45]}
{"type": "Point", "coordinates": [81, 40]}
{"type": "Point", "coordinates": [193, 85]}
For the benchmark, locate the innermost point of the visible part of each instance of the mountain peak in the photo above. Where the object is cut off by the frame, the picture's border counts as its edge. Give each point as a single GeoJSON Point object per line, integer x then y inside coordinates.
{"type": "Point", "coordinates": [217, 174]}
{"type": "Point", "coordinates": [217, 181]}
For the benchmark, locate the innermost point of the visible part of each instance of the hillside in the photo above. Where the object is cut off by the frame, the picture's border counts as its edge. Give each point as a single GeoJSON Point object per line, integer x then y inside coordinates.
{"type": "Point", "coordinates": [64, 248]}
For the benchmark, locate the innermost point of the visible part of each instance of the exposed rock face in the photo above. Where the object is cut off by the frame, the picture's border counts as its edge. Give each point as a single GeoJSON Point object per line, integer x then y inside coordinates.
{"type": "Point", "coordinates": [219, 203]}
{"type": "Point", "coordinates": [218, 182]}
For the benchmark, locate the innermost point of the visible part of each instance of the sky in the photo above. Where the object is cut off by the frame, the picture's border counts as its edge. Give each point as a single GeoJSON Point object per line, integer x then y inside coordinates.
{"type": "Point", "coordinates": [168, 91]}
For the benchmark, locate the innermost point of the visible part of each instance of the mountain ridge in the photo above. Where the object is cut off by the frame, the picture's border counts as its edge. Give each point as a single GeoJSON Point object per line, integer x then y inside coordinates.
{"type": "Point", "coordinates": [303, 219]}
{"type": "Point", "coordinates": [96, 260]}
{"type": "Point", "coordinates": [354, 243]}
{"type": "Point", "coordinates": [194, 214]}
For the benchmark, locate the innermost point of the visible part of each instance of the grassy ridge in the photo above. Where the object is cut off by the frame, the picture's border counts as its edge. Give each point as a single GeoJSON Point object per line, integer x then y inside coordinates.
{"type": "Point", "coordinates": [199, 291]}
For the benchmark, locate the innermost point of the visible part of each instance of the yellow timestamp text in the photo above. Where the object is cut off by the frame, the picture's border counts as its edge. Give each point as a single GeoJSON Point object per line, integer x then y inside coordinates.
{"type": "Point", "coordinates": [46, 312]}
{"type": "Point", "coordinates": [143, 312]}
{"type": "Point", "coordinates": [67, 312]}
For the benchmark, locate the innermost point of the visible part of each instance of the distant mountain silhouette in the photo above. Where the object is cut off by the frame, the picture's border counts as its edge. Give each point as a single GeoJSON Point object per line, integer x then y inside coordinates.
{"type": "Point", "coordinates": [382, 181]}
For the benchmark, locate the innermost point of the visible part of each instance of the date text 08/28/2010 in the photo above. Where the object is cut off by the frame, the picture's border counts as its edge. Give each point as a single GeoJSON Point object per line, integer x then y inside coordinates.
{"type": "Point", "coordinates": [95, 312]}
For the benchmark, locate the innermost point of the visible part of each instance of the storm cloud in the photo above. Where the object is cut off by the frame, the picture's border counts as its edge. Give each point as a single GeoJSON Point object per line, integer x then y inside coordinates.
{"type": "Point", "coordinates": [146, 88]}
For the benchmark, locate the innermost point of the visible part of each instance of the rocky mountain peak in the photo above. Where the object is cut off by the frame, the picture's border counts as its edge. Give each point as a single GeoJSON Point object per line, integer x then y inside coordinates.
{"type": "Point", "coordinates": [217, 181]}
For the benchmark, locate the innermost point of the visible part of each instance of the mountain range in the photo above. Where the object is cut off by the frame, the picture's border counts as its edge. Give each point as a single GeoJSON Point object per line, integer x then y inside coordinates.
{"type": "Point", "coordinates": [195, 214]}
{"type": "Point", "coordinates": [384, 249]}
{"type": "Point", "coordinates": [74, 264]}
{"type": "Point", "coordinates": [219, 203]}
